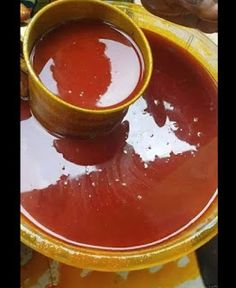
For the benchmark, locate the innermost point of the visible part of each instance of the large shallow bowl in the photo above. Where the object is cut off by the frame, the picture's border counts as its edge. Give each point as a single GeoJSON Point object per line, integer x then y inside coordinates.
{"type": "Point", "coordinates": [201, 231]}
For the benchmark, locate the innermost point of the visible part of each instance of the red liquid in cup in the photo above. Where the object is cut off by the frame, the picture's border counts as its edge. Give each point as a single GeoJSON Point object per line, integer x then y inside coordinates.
{"type": "Point", "coordinates": [89, 64]}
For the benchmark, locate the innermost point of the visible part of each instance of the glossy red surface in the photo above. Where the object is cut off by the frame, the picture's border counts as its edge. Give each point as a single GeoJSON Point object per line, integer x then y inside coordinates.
{"type": "Point", "coordinates": [141, 184]}
{"type": "Point", "coordinates": [87, 63]}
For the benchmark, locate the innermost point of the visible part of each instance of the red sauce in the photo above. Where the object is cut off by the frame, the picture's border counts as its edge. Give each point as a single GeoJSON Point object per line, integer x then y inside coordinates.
{"type": "Point", "coordinates": [147, 180]}
{"type": "Point", "coordinates": [87, 63]}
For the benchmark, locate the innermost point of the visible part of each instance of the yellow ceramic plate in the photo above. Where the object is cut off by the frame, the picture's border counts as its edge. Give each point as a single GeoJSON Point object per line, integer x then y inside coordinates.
{"type": "Point", "coordinates": [183, 243]}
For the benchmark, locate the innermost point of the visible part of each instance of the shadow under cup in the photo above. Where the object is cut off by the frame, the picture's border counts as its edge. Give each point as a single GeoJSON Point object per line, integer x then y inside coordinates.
{"type": "Point", "coordinates": [61, 117]}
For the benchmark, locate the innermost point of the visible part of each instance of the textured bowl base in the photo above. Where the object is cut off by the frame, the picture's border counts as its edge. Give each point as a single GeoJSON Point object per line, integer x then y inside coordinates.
{"type": "Point", "coordinates": [38, 271]}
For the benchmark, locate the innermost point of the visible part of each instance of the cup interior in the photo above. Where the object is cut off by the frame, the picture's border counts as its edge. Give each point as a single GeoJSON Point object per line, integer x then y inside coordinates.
{"type": "Point", "coordinates": [60, 12]}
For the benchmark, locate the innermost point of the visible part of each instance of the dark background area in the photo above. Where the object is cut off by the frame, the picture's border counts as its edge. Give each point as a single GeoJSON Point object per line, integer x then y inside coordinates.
{"type": "Point", "coordinates": [208, 263]}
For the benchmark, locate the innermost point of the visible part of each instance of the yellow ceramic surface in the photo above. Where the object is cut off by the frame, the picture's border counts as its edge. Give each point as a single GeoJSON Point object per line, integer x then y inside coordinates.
{"type": "Point", "coordinates": [55, 114]}
{"type": "Point", "coordinates": [201, 231]}
{"type": "Point", "coordinates": [38, 271]}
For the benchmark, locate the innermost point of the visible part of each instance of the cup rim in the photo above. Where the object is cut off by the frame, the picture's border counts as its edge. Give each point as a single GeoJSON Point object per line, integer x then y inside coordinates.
{"type": "Point", "coordinates": [107, 110]}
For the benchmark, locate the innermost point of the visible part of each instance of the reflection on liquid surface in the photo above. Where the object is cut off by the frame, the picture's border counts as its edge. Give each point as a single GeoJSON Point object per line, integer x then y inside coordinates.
{"type": "Point", "coordinates": [145, 181]}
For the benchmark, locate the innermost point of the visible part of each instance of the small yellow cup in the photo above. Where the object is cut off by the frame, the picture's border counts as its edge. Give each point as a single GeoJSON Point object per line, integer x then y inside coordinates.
{"type": "Point", "coordinates": [52, 112]}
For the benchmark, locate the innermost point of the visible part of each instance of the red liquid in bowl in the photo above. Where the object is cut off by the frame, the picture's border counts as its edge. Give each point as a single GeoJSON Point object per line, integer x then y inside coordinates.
{"type": "Point", "coordinates": [89, 64]}
{"type": "Point", "coordinates": [153, 176]}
